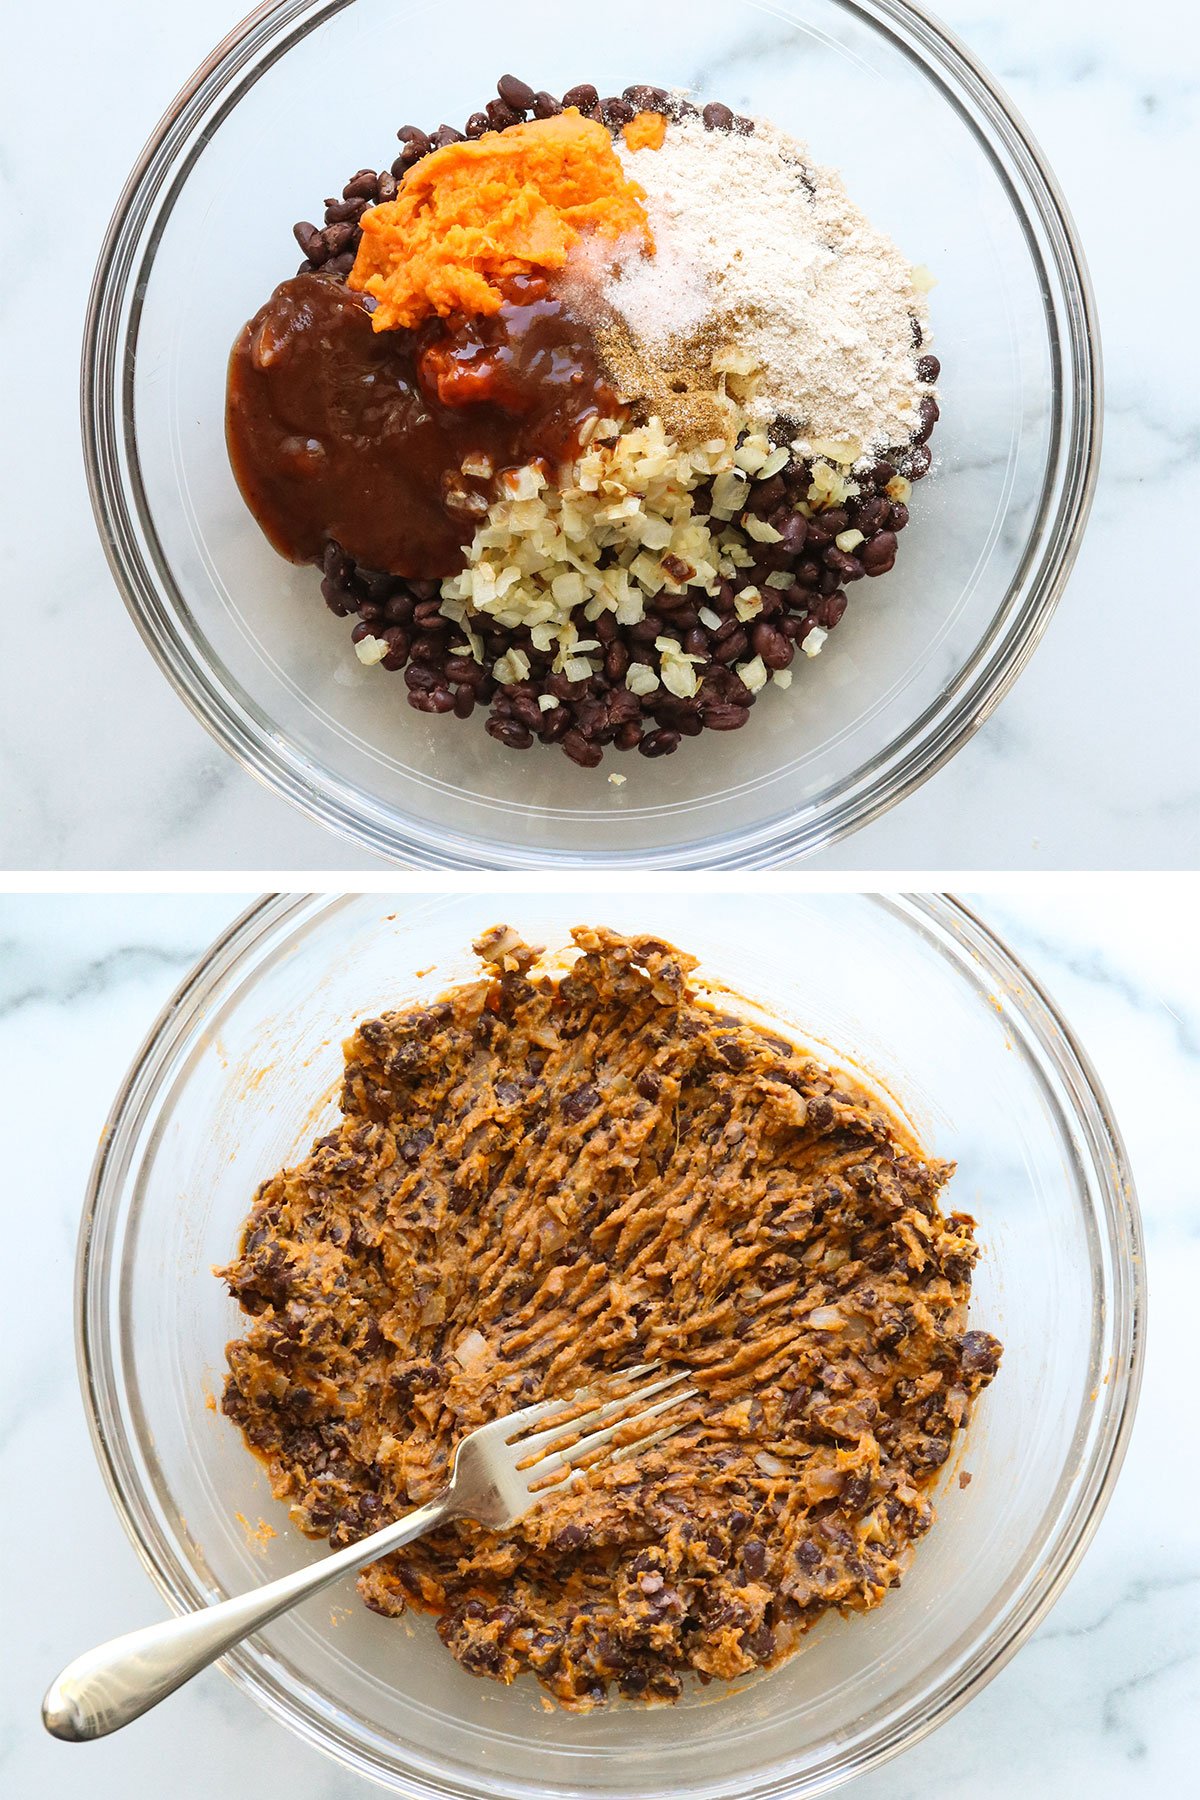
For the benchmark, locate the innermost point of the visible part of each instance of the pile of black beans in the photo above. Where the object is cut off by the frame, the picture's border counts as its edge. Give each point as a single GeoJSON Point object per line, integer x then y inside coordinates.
{"type": "Point", "coordinates": [602, 711]}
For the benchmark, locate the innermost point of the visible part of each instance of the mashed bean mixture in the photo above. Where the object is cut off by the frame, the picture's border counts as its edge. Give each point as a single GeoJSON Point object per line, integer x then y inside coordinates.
{"type": "Point", "coordinates": [537, 1182]}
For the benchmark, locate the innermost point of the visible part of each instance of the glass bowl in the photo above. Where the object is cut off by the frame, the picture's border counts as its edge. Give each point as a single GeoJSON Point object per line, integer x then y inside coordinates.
{"type": "Point", "coordinates": [239, 1075]}
{"type": "Point", "coordinates": [302, 94]}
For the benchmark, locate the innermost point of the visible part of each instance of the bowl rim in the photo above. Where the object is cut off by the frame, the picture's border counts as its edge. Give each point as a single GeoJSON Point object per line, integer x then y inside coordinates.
{"type": "Point", "coordinates": [913, 754]}
{"type": "Point", "coordinates": [1067, 1540]}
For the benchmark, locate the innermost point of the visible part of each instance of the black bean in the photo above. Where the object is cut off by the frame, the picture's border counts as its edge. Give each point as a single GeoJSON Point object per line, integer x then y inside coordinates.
{"type": "Point", "coordinates": [754, 1558]}
{"type": "Point", "coordinates": [879, 553]}
{"type": "Point", "coordinates": [615, 111]}
{"type": "Point", "coordinates": [477, 124]}
{"type": "Point", "coordinates": [899, 516]}
{"type": "Point", "coordinates": [577, 747]}
{"type": "Point", "coordinates": [919, 462]}
{"type": "Point", "coordinates": [743, 125]}
{"type": "Point", "coordinates": [725, 718]}
{"type": "Point", "coordinates": [736, 692]}
{"type": "Point", "coordinates": [397, 641]}
{"type": "Point", "coordinates": [585, 97]}
{"type": "Point", "coordinates": [378, 585]}
{"type": "Point", "coordinates": [660, 743]}
{"type": "Point", "coordinates": [509, 733]}
{"type": "Point", "coordinates": [979, 1352]}
{"type": "Point", "coordinates": [415, 142]}
{"type": "Point", "coordinates": [734, 647]}
{"type": "Point", "coordinates": [930, 414]}
{"type": "Point", "coordinates": [718, 117]}
{"type": "Point", "coordinates": [386, 188]}
{"type": "Point", "coordinates": [765, 496]}
{"type": "Point", "coordinates": [829, 610]}
{"type": "Point", "coordinates": [621, 706]}
{"type": "Point", "coordinates": [336, 598]}
{"type": "Point", "coordinates": [501, 115]}
{"type": "Point", "coordinates": [870, 515]}
{"type": "Point", "coordinates": [793, 533]}
{"type": "Point", "coordinates": [526, 709]}
{"type": "Point", "coordinates": [616, 662]}
{"type": "Point", "coordinates": [362, 186]}
{"type": "Point", "coordinates": [846, 568]}
{"type": "Point", "coordinates": [771, 644]}
{"type": "Point", "coordinates": [336, 237]}
{"type": "Point", "coordinates": [446, 134]}
{"type": "Point", "coordinates": [310, 241]}
{"type": "Point", "coordinates": [399, 610]}
{"type": "Point", "coordinates": [578, 1105]}
{"type": "Point", "coordinates": [629, 735]}
{"type": "Point", "coordinates": [647, 99]}
{"type": "Point", "coordinates": [545, 106]}
{"type": "Point", "coordinates": [928, 368]}
{"type": "Point", "coordinates": [515, 93]}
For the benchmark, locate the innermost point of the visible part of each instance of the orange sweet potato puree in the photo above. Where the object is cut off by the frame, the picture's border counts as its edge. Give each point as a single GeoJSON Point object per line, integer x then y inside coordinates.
{"type": "Point", "coordinates": [646, 132]}
{"type": "Point", "coordinates": [471, 214]}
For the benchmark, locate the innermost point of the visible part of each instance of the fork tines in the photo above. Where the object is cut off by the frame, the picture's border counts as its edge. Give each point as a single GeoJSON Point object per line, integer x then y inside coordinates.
{"type": "Point", "coordinates": [557, 1449]}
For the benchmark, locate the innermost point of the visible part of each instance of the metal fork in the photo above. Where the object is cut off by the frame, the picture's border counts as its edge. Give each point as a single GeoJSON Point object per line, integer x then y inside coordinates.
{"type": "Point", "coordinates": [498, 1474]}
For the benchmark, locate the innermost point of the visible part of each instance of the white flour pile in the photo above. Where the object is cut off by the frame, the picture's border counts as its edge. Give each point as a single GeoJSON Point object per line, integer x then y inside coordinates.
{"type": "Point", "coordinates": [765, 263]}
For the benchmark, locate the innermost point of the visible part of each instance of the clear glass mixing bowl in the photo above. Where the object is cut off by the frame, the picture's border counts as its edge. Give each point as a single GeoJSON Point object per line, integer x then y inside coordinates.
{"type": "Point", "coordinates": [304, 93]}
{"type": "Point", "coordinates": [238, 1076]}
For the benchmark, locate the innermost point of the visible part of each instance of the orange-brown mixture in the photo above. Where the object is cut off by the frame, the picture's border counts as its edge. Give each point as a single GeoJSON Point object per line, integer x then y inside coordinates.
{"type": "Point", "coordinates": [536, 1183]}
{"type": "Point", "coordinates": [473, 213]}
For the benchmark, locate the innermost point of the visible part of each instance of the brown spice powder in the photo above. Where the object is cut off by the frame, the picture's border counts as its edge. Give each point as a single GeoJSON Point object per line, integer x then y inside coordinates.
{"type": "Point", "coordinates": [676, 383]}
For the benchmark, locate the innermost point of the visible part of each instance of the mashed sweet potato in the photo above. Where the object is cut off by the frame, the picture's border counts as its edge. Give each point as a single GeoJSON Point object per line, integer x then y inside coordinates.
{"type": "Point", "coordinates": [505, 204]}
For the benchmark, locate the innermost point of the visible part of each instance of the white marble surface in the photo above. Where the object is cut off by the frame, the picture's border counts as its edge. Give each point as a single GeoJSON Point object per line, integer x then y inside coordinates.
{"type": "Point", "coordinates": [1094, 760]}
{"type": "Point", "coordinates": [1104, 1698]}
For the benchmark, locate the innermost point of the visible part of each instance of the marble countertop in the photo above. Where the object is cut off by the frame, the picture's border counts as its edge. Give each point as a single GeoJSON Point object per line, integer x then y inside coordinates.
{"type": "Point", "coordinates": [1103, 1698]}
{"type": "Point", "coordinates": [1093, 761]}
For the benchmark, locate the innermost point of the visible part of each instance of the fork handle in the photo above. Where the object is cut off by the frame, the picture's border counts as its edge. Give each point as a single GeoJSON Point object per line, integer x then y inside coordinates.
{"type": "Point", "coordinates": [107, 1687]}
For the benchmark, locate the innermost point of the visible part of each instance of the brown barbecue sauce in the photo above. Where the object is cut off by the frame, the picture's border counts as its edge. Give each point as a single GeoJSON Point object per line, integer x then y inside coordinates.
{"type": "Point", "coordinates": [339, 432]}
